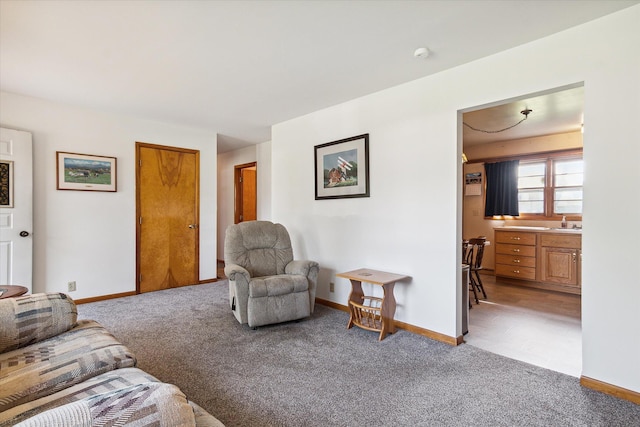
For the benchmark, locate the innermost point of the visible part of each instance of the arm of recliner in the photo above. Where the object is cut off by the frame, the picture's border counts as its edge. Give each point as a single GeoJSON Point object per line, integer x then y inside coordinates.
{"type": "Point", "coordinates": [300, 267]}
{"type": "Point", "coordinates": [233, 270]}
{"type": "Point", "coordinates": [239, 279]}
{"type": "Point", "coordinates": [310, 270]}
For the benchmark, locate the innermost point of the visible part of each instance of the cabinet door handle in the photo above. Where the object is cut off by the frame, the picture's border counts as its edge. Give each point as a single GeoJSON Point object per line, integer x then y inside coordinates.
{"type": "Point", "coordinates": [516, 260]}
{"type": "Point", "coordinates": [516, 250]}
{"type": "Point", "coordinates": [575, 257]}
{"type": "Point", "coordinates": [516, 271]}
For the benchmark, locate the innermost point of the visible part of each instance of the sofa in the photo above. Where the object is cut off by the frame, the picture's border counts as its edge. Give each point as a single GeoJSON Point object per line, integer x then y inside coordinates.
{"type": "Point", "coordinates": [266, 285]}
{"type": "Point", "coordinates": [58, 371]}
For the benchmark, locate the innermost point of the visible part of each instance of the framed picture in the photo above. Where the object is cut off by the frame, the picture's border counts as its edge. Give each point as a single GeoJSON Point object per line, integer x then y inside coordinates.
{"type": "Point", "coordinates": [85, 172]}
{"type": "Point", "coordinates": [6, 183]}
{"type": "Point", "coordinates": [342, 168]}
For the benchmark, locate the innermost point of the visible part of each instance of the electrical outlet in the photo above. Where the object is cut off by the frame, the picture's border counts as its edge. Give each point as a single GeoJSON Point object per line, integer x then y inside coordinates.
{"type": "Point", "coordinates": [332, 287]}
{"type": "Point", "coordinates": [72, 286]}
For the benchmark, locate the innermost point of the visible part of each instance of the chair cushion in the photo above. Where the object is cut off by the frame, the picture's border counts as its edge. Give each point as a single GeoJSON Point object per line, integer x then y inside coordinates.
{"type": "Point", "coordinates": [281, 284]}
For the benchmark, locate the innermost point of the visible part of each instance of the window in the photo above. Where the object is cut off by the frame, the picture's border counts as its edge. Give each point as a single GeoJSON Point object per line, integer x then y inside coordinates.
{"type": "Point", "coordinates": [567, 189]}
{"type": "Point", "coordinates": [550, 187]}
{"type": "Point", "coordinates": [531, 180]}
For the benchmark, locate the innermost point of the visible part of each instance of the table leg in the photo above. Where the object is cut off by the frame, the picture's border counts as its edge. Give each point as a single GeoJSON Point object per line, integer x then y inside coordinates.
{"type": "Point", "coordinates": [388, 311]}
{"type": "Point", "coordinates": [356, 296]}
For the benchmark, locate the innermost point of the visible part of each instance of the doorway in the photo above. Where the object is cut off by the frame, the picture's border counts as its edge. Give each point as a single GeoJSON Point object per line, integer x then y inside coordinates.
{"type": "Point", "coordinates": [537, 326]}
{"type": "Point", "coordinates": [245, 183]}
{"type": "Point", "coordinates": [167, 208]}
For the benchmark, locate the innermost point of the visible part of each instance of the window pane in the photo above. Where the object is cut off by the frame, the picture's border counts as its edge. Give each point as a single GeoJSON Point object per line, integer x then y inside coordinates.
{"type": "Point", "coordinates": [531, 175]}
{"type": "Point", "coordinates": [569, 179]}
{"type": "Point", "coordinates": [568, 166]}
{"type": "Point", "coordinates": [531, 182]}
{"type": "Point", "coordinates": [529, 195]}
{"type": "Point", "coordinates": [568, 207]}
{"type": "Point", "coordinates": [531, 207]}
{"type": "Point", "coordinates": [568, 193]}
{"type": "Point", "coordinates": [531, 201]}
{"type": "Point", "coordinates": [529, 169]}
{"type": "Point", "coordinates": [568, 173]}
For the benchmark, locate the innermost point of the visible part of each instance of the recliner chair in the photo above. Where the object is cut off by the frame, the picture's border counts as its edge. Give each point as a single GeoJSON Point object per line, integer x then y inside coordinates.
{"type": "Point", "coordinates": [266, 285]}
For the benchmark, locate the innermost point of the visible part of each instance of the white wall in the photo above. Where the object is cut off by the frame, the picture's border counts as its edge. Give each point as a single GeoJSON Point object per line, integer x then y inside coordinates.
{"type": "Point", "coordinates": [411, 224]}
{"type": "Point", "coordinates": [90, 237]}
{"type": "Point", "coordinates": [263, 158]}
{"type": "Point", "coordinates": [226, 188]}
{"type": "Point", "coordinates": [261, 154]}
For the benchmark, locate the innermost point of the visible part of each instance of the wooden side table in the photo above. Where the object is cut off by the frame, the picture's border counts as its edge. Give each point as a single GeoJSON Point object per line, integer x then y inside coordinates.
{"type": "Point", "coordinates": [371, 313]}
{"type": "Point", "coordinates": [10, 291]}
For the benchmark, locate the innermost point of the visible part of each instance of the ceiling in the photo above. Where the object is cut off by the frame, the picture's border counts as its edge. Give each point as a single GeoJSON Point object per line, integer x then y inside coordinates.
{"type": "Point", "coordinates": [238, 67]}
{"type": "Point", "coordinates": [550, 113]}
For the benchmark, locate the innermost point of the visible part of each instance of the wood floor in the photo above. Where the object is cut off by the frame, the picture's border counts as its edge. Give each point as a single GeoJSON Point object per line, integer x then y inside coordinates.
{"type": "Point", "coordinates": [532, 325]}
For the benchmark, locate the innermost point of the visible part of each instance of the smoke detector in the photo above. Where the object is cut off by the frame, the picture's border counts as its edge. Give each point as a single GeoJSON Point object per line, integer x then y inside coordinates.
{"type": "Point", "coordinates": [421, 52]}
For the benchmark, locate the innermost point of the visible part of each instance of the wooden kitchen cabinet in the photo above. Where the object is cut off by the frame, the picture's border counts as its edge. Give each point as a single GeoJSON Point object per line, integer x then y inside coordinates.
{"type": "Point", "coordinates": [560, 259]}
{"type": "Point", "coordinates": [545, 259]}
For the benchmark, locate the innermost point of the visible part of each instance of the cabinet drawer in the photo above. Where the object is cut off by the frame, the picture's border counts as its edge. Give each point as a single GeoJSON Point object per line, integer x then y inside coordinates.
{"type": "Point", "coordinates": [516, 271]}
{"type": "Point", "coordinates": [561, 241]}
{"type": "Point", "coordinates": [516, 260]}
{"type": "Point", "coordinates": [507, 249]}
{"type": "Point", "coordinates": [516, 237]}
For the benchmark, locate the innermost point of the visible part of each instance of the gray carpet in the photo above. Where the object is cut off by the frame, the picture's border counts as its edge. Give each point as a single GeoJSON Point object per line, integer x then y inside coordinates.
{"type": "Point", "coordinates": [317, 373]}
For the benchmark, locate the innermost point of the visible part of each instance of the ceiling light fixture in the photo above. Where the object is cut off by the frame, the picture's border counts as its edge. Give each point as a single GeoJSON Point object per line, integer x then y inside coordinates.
{"type": "Point", "coordinates": [524, 112]}
{"type": "Point", "coordinates": [421, 52]}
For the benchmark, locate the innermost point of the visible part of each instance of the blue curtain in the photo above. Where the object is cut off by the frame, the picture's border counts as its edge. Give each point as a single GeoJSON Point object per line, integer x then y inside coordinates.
{"type": "Point", "coordinates": [502, 188]}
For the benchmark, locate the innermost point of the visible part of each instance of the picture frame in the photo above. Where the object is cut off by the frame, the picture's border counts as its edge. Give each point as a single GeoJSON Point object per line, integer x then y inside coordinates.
{"type": "Point", "coordinates": [86, 172]}
{"type": "Point", "coordinates": [6, 183]}
{"type": "Point", "coordinates": [342, 168]}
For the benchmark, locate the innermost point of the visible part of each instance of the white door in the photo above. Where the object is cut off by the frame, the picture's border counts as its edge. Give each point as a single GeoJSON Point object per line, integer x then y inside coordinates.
{"type": "Point", "coordinates": [16, 208]}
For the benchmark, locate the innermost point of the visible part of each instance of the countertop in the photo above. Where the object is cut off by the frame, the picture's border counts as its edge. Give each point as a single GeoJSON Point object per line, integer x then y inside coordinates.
{"type": "Point", "coordinates": [540, 229]}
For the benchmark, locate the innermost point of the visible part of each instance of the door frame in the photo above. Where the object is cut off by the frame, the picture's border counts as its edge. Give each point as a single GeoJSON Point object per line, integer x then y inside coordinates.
{"type": "Point", "coordinates": [140, 145]}
{"type": "Point", "coordinates": [237, 205]}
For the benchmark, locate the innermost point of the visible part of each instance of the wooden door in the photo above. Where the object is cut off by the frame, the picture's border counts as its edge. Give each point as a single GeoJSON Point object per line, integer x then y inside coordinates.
{"type": "Point", "coordinates": [16, 208]}
{"type": "Point", "coordinates": [245, 192]}
{"type": "Point", "coordinates": [167, 207]}
{"type": "Point", "coordinates": [249, 211]}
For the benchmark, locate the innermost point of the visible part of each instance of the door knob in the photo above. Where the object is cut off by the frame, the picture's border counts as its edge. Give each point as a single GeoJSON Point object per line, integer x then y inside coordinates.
{"type": "Point", "coordinates": [24, 234]}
